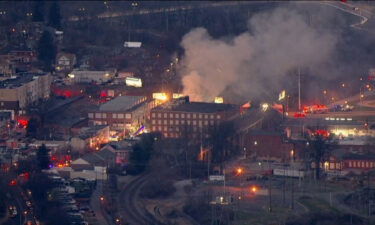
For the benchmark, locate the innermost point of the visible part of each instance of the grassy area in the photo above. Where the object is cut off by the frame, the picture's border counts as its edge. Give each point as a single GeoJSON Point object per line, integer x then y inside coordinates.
{"type": "Point", "coordinates": [316, 205]}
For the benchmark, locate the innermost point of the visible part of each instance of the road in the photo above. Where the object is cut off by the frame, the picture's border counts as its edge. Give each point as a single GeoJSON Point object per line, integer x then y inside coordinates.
{"type": "Point", "coordinates": [160, 10]}
{"type": "Point", "coordinates": [131, 209]}
{"type": "Point", "coordinates": [352, 9]}
{"type": "Point", "coordinates": [96, 205]}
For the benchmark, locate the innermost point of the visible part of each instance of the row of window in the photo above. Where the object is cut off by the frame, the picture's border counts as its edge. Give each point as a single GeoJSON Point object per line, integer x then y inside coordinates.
{"type": "Point", "coordinates": [183, 115]}
{"type": "Point", "coordinates": [167, 128]}
{"type": "Point", "coordinates": [114, 115]}
{"type": "Point", "coordinates": [183, 122]}
{"type": "Point", "coordinates": [361, 164]}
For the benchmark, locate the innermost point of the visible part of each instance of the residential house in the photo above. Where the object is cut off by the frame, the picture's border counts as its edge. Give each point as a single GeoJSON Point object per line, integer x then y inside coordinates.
{"type": "Point", "coordinates": [91, 138]}
{"type": "Point", "coordinates": [65, 62]}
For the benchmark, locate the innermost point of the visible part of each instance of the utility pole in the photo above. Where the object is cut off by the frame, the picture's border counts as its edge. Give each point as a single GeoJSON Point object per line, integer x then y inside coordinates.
{"type": "Point", "coordinates": [299, 89]}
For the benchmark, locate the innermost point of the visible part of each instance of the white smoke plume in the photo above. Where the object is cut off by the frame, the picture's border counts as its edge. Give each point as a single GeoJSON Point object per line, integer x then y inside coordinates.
{"type": "Point", "coordinates": [255, 61]}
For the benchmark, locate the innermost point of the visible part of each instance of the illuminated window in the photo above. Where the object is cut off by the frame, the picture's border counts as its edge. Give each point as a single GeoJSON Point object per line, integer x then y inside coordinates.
{"type": "Point", "coordinates": [350, 164]}
{"type": "Point", "coordinates": [177, 129]}
{"type": "Point", "coordinates": [206, 116]}
{"type": "Point", "coordinates": [371, 164]}
{"type": "Point", "coordinates": [165, 128]}
{"type": "Point", "coordinates": [367, 164]}
{"type": "Point", "coordinates": [166, 135]}
{"type": "Point", "coordinates": [98, 115]}
{"type": "Point", "coordinates": [177, 116]}
{"type": "Point", "coordinates": [200, 123]}
{"type": "Point", "coordinates": [182, 121]}
{"type": "Point", "coordinates": [212, 117]}
{"type": "Point", "coordinates": [206, 122]}
{"type": "Point", "coordinates": [171, 122]}
{"type": "Point", "coordinates": [363, 164]}
{"type": "Point", "coordinates": [188, 115]}
{"type": "Point", "coordinates": [159, 127]}
{"type": "Point", "coordinates": [153, 115]}
{"type": "Point", "coordinates": [170, 115]}
{"type": "Point", "coordinates": [128, 116]}
{"type": "Point", "coordinates": [159, 115]}
{"type": "Point", "coordinates": [159, 122]}
{"type": "Point", "coordinates": [194, 115]}
{"type": "Point", "coordinates": [165, 122]}
{"type": "Point", "coordinates": [120, 116]}
{"type": "Point", "coordinates": [176, 122]}
{"type": "Point", "coordinates": [114, 116]}
{"type": "Point", "coordinates": [182, 115]}
{"type": "Point", "coordinates": [153, 122]}
{"type": "Point", "coordinates": [104, 115]}
{"type": "Point", "coordinates": [188, 122]}
{"type": "Point", "coordinates": [218, 117]}
{"type": "Point", "coordinates": [165, 115]}
{"type": "Point", "coordinates": [194, 122]}
{"type": "Point", "coordinates": [153, 128]}
{"type": "Point", "coordinates": [91, 115]}
{"type": "Point", "coordinates": [200, 116]}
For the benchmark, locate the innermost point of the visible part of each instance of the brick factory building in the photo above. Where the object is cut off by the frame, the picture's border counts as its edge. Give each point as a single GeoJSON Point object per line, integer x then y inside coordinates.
{"type": "Point", "coordinates": [123, 113]}
{"type": "Point", "coordinates": [181, 117]}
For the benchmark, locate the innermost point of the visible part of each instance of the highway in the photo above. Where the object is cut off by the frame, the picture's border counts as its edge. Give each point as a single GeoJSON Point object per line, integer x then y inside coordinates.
{"type": "Point", "coordinates": [364, 14]}
{"type": "Point", "coordinates": [131, 209]}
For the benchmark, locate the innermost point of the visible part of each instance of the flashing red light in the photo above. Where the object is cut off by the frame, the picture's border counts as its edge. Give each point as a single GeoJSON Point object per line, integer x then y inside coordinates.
{"type": "Point", "coordinates": [23, 122]}
{"type": "Point", "coordinates": [344, 1]}
{"type": "Point", "coordinates": [13, 183]}
{"type": "Point", "coordinates": [323, 133]}
{"type": "Point", "coordinates": [103, 94]}
{"type": "Point", "coordinates": [299, 115]}
{"type": "Point", "coordinates": [53, 158]}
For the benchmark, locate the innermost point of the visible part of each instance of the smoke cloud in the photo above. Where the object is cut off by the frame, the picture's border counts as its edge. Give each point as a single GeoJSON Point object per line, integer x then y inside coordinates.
{"type": "Point", "coordinates": [257, 61]}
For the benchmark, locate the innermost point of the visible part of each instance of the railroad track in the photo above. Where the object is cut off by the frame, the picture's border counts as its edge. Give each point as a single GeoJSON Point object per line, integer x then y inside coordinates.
{"type": "Point", "coordinates": [130, 208]}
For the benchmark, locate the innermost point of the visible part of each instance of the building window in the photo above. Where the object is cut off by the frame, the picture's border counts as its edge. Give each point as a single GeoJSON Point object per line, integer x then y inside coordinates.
{"type": "Point", "coordinates": [218, 117]}
{"type": "Point", "coordinates": [183, 115]}
{"type": "Point", "coordinates": [170, 115]}
{"type": "Point", "coordinates": [188, 115]}
{"type": "Point", "coordinates": [98, 115]}
{"type": "Point", "coordinates": [165, 128]}
{"type": "Point", "coordinates": [128, 116]}
{"type": "Point", "coordinates": [159, 122]}
{"type": "Point", "coordinates": [182, 121]}
{"type": "Point", "coordinates": [176, 122]}
{"type": "Point", "coordinates": [153, 122]}
{"type": "Point", "coordinates": [91, 115]}
{"type": "Point", "coordinates": [188, 122]}
{"type": "Point", "coordinates": [166, 135]}
{"type": "Point", "coordinates": [194, 122]}
{"type": "Point", "coordinates": [177, 129]}
{"type": "Point", "coordinates": [367, 164]}
{"type": "Point", "coordinates": [104, 115]}
{"type": "Point", "coordinates": [211, 122]}
{"type": "Point", "coordinates": [371, 164]}
{"type": "Point", "coordinates": [176, 116]}
{"type": "Point", "coordinates": [159, 115]}
{"type": "Point", "coordinates": [206, 116]}
{"type": "Point", "coordinates": [120, 116]}
{"type": "Point", "coordinates": [200, 123]}
{"type": "Point", "coordinates": [159, 127]}
{"type": "Point", "coordinates": [194, 115]}
{"type": "Point", "coordinates": [165, 115]}
{"type": "Point", "coordinates": [200, 116]}
{"type": "Point", "coordinates": [350, 164]}
{"type": "Point", "coordinates": [363, 164]}
{"type": "Point", "coordinates": [114, 116]}
{"type": "Point", "coordinates": [153, 115]}
{"type": "Point", "coordinates": [171, 122]}
{"type": "Point", "coordinates": [206, 122]}
{"type": "Point", "coordinates": [212, 117]}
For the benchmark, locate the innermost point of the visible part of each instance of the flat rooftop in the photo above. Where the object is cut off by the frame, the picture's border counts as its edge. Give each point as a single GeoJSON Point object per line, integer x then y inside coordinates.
{"type": "Point", "coordinates": [20, 80]}
{"type": "Point", "coordinates": [200, 107]}
{"type": "Point", "coordinates": [122, 103]}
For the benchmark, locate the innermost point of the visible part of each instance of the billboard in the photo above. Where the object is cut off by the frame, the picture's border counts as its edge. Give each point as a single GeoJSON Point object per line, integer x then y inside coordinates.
{"type": "Point", "coordinates": [133, 82]}
{"type": "Point", "coordinates": [131, 44]}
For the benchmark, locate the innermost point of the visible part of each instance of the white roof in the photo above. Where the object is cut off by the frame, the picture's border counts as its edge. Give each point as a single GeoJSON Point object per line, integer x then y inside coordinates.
{"type": "Point", "coordinates": [80, 161]}
{"type": "Point", "coordinates": [121, 103]}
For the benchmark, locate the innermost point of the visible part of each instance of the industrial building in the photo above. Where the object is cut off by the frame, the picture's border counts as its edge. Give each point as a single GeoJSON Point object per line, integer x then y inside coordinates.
{"type": "Point", "coordinates": [124, 113]}
{"type": "Point", "coordinates": [180, 117]}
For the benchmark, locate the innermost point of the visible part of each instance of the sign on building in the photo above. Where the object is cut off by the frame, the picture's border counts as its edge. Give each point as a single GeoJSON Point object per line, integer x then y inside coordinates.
{"type": "Point", "coordinates": [133, 82]}
{"type": "Point", "coordinates": [129, 44]}
{"type": "Point", "coordinates": [216, 177]}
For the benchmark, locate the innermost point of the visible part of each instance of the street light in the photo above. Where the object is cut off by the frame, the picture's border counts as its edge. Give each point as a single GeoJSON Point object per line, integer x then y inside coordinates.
{"type": "Point", "coordinates": [239, 171]}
